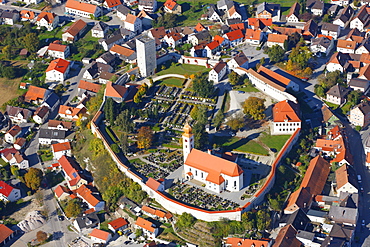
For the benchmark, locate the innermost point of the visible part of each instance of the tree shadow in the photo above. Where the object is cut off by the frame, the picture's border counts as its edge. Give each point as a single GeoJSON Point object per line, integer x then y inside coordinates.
{"type": "Point", "coordinates": [13, 207]}
{"type": "Point", "coordinates": [185, 7]}
{"type": "Point", "coordinates": [57, 235]}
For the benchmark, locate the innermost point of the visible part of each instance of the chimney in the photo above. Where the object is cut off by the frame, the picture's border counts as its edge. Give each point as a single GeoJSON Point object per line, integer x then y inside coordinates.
{"type": "Point", "coordinates": [209, 151]}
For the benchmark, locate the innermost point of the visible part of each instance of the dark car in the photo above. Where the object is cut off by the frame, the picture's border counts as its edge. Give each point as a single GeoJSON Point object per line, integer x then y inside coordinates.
{"type": "Point", "coordinates": [60, 217]}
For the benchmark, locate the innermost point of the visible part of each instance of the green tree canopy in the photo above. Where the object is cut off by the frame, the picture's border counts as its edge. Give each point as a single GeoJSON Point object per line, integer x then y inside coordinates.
{"type": "Point", "coordinates": [200, 136]}
{"type": "Point", "coordinates": [254, 107]}
{"type": "Point", "coordinates": [202, 85]}
{"type": "Point", "coordinates": [167, 20]}
{"type": "Point", "coordinates": [234, 78]}
{"type": "Point", "coordinates": [218, 119]}
{"type": "Point", "coordinates": [276, 53]}
{"type": "Point", "coordinates": [186, 220]}
{"type": "Point", "coordinates": [31, 42]}
{"type": "Point", "coordinates": [73, 208]}
{"type": "Point", "coordinates": [236, 121]}
{"type": "Point", "coordinates": [33, 178]}
{"type": "Point", "coordinates": [300, 56]}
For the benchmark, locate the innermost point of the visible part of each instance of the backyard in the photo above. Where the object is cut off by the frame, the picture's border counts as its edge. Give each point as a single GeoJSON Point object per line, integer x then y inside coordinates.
{"type": "Point", "coordinates": [274, 142]}
{"type": "Point", "coordinates": [183, 69]}
{"type": "Point", "coordinates": [241, 144]}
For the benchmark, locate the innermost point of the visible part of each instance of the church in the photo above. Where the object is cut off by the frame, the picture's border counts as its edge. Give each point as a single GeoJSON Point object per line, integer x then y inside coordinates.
{"type": "Point", "coordinates": [216, 173]}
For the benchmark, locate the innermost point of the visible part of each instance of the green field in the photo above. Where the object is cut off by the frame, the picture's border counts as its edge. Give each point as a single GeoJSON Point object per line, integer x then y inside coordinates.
{"type": "Point", "coordinates": [276, 142]}
{"type": "Point", "coordinates": [172, 82]}
{"type": "Point", "coordinates": [183, 69]}
{"type": "Point", "coordinates": [241, 144]}
{"type": "Point", "coordinates": [248, 88]}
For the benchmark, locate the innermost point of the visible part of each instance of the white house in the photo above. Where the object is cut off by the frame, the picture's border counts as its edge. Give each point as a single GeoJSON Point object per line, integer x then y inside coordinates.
{"type": "Point", "coordinates": [276, 39]}
{"type": "Point", "coordinates": [75, 31]}
{"type": "Point", "coordinates": [16, 159]}
{"type": "Point", "coordinates": [360, 20]}
{"type": "Point", "coordinates": [337, 94]}
{"type": "Point", "coordinates": [173, 39]}
{"type": "Point", "coordinates": [321, 45]}
{"type": "Point", "coordinates": [218, 72]}
{"type": "Point", "coordinates": [59, 125]}
{"type": "Point", "coordinates": [92, 199]}
{"type": "Point", "coordinates": [239, 60]}
{"type": "Point", "coordinates": [337, 62]}
{"type": "Point", "coordinates": [346, 180]}
{"type": "Point", "coordinates": [17, 114]}
{"type": "Point", "coordinates": [99, 30]}
{"type": "Point", "coordinates": [118, 225]}
{"type": "Point", "coordinates": [48, 20]}
{"type": "Point", "coordinates": [317, 8]}
{"type": "Point", "coordinates": [9, 17]}
{"type": "Point", "coordinates": [293, 15]}
{"type": "Point", "coordinates": [50, 136]}
{"type": "Point", "coordinates": [253, 37]}
{"type": "Point", "coordinates": [286, 118]}
{"type": "Point", "coordinates": [41, 114]}
{"type": "Point", "coordinates": [234, 38]}
{"type": "Point", "coordinates": [82, 9]}
{"type": "Point", "coordinates": [100, 236]}
{"type": "Point", "coordinates": [217, 174]}
{"type": "Point", "coordinates": [346, 46]}
{"type": "Point", "coordinates": [329, 29]}
{"type": "Point", "coordinates": [133, 24]}
{"type": "Point", "coordinates": [148, 5]}
{"type": "Point", "coordinates": [60, 149]}
{"type": "Point", "coordinates": [149, 229]}
{"type": "Point", "coordinates": [72, 113]}
{"type": "Point", "coordinates": [123, 11]}
{"type": "Point", "coordinates": [12, 134]}
{"type": "Point", "coordinates": [8, 193]}
{"type": "Point", "coordinates": [57, 50]}
{"type": "Point", "coordinates": [57, 70]}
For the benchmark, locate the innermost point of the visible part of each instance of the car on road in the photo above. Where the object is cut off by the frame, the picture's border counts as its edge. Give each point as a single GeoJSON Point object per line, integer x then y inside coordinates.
{"type": "Point", "coordinates": [363, 224]}
{"type": "Point", "coordinates": [60, 217]}
{"type": "Point", "coordinates": [241, 92]}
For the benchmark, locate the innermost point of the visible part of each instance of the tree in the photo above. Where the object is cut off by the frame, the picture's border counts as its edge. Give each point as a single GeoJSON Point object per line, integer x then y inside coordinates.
{"type": "Point", "coordinates": [115, 148]}
{"type": "Point", "coordinates": [31, 42]}
{"type": "Point", "coordinates": [7, 51]}
{"type": "Point", "coordinates": [114, 78]}
{"type": "Point", "coordinates": [33, 178]}
{"type": "Point", "coordinates": [96, 146]}
{"type": "Point", "coordinates": [218, 119]}
{"type": "Point", "coordinates": [199, 113]}
{"type": "Point", "coordinates": [254, 107]}
{"type": "Point", "coordinates": [186, 220]}
{"type": "Point", "coordinates": [167, 20]}
{"type": "Point", "coordinates": [354, 97]}
{"type": "Point", "coordinates": [124, 122]}
{"type": "Point", "coordinates": [124, 142]}
{"type": "Point", "coordinates": [139, 232]}
{"type": "Point", "coordinates": [263, 61]}
{"type": "Point", "coordinates": [200, 136]}
{"type": "Point", "coordinates": [203, 86]}
{"type": "Point", "coordinates": [15, 171]}
{"type": "Point", "coordinates": [41, 236]}
{"type": "Point", "coordinates": [60, 89]}
{"type": "Point", "coordinates": [263, 220]}
{"type": "Point", "coordinates": [300, 56]}
{"type": "Point", "coordinates": [275, 53]}
{"type": "Point", "coordinates": [73, 208]}
{"type": "Point", "coordinates": [236, 121]}
{"type": "Point", "coordinates": [109, 110]}
{"type": "Point", "coordinates": [234, 78]}
{"type": "Point", "coordinates": [145, 137]}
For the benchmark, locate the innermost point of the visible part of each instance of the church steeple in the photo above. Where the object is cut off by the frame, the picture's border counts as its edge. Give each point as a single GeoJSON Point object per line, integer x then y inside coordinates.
{"type": "Point", "coordinates": [187, 140]}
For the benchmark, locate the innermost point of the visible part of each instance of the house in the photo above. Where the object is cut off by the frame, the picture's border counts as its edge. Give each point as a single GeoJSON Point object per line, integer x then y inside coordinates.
{"type": "Point", "coordinates": [322, 45]}
{"type": "Point", "coordinates": [51, 101]}
{"type": "Point", "coordinates": [173, 39]}
{"type": "Point", "coordinates": [57, 50]}
{"type": "Point", "coordinates": [293, 15]}
{"type": "Point", "coordinates": [268, 10]}
{"type": "Point", "coordinates": [157, 33]}
{"type": "Point", "coordinates": [337, 62]}
{"type": "Point", "coordinates": [224, 174]}
{"type": "Point", "coordinates": [299, 199]}
{"type": "Point", "coordinates": [17, 114]}
{"type": "Point", "coordinates": [41, 114]}
{"type": "Point", "coordinates": [91, 197]}
{"type": "Point", "coordinates": [148, 5]}
{"type": "Point", "coordinates": [72, 113]}
{"type": "Point", "coordinates": [50, 136]}
{"type": "Point", "coordinates": [316, 175]}
{"type": "Point", "coordinates": [12, 134]}
{"type": "Point", "coordinates": [19, 143]}
{"type": "Point", "coordinates": [329, 29]}
{"type": "Point", "coordinates": [36, 95]}
{"type": "Point", "coordinates": [234, 38]}
{"type": "Point", "coordinates": [245, 242]}
{"type": "Point", "coordinates": [27, 15]}
{"type": "Point", "coordinates": [72, 172]}
{"type": "Point", "coordinates": [171, 6]}
{"type": "Point", "coordinates": [100, 236]}
{"type": "Point", "coordinates": [337, 94]}
{"type": "Point", "coordinates": [259, 23]}
{"type": "Point", "coordinates": [60, 149]}
{"type": "Point", "coordinates": [15, 158]}
{"type": "Point", "coordinates": [361, 85]}
{"type": "Point", "coordinates": [346, 179]}
{"type": "Point", "coordinates": [317, 216]}
{"type": "Point", "coordinates": [10, 17]}
{"type": "Point", "coordinates": [118, 225]}
{"type": "Point", "coordinates": [343, 215]}
{"type": "Point", "coordinates": [360, 114]}
{"type": "Point", "coordinates": [340, 2]}
{"type": "Point", "coordinates": [116, 38]}
{"type": "Point", "coordinates": [94, 70]}
{"type": "Point", "coordinates": [112, 4]}
{"type": "Point", "coordinates": [99, 30]}
{"type": "Point", "coordinates": [364, 72]}
{"type": "Point", "coordinates": [82, 9]}
{"type": "Point", "coordinates": [287, 237]}
{"type": "Point", "coordinates": [123, 53]}
{"type": "Point", "coordinates": [239, 60]}
{"type": "Point", "coordinates": [310, 30]}
{"type": "Point", "coordinates": [6, 234]}
{"type": "Point", "coordinates": [286, 118]}
{"type": "Point", "coordinates": [105, 77]}
{"type": "Point", "coordinates": [48, 20]}
{"type": "Point", "coordinates": [8, 193]}
{"type": "Point", "coordinates": [298, 220]}
{"type": "Point", "coordinates": [86, 89]}
{"type": "Point", "coordinates": [253, 37]}
{"type": "Point", "coordinates": [86, 222]}
{"type": "Point", "coordinates": [146, 19]}
{"type": "Point", "coordinates": [62, 192]}
{"type": "Point", "coordinates": [213, 14]}
{"type": "Point", "coordinates": [156, 214]}
{"type": "Point", "coordinates": [218, 72]}
{"type": "Point", "coordinates": [317, 8]}
{"type": "Point", "coordinates": [342, 234]}
{"type": "Point", "coordinates": [361, 19]}
{"type": "Point", "coordinates": [344, 16]}
{"type": "Point", "coordinates": [276, 39]}
{"type": "Point", "coordinates": [148, 227]}
{"type": "Point", "coordinates": [200, 37]}
{"type": "Point", "coordinates": [133, 24]}
{"type": "Point", "coordinates": [346, 46]}
{"type": "Point", "coordinates": [118, 93]}
{"type": "Point", "coordinates": [155, 185]}
{"type": "Point", "coordinates": [75, 31]}
{"type": "Point", "coordinates": [123, 10]}
{"type": "Point", "coordinates": [107, 58]}
{"type": "Point", "coordinates": [59, 125]}
{"type": "Point", "coordinates": [58, 70]}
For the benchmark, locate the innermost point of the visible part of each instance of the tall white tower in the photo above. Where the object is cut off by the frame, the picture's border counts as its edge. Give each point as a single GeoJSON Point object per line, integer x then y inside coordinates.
{"type": "Point", "coordinates": [146, 56]}
{"type": "Point", "coordinates": [187, 140]}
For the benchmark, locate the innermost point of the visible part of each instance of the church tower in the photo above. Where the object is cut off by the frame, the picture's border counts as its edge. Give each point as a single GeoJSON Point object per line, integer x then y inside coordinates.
{"type": "Point", "coordinates": [187, 140]}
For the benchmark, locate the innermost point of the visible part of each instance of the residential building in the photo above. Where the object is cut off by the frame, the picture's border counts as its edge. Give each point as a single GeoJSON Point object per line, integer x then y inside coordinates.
{"type": "Point", "coordinates": [133, 24]}
{"type": "Point", "coordinates": [344, 16]}
{"type": "Point", "coordinates": [148, 5]}
{"type": "Point", "coordinates": [99, 30]}
{"type": "Point", "coordinates": [27, 15]}
{"type": "Point", "coordinates": [57, 70]}
{"type": "Point", "coordinates": [276, 39]}
{"type": "Point", "coordinates": [200, 37]}
{"type": "Point", "coordinates": [218, 72]}
{"type": "Point", "coordinates": [123, 53]}
{"type": "Point", "coordinates": [8, 193]}
{"type": "Point", "coordinates": [123, 11]}
{"type": "Point", "coordinates": [51, 101]}
{"type": "Point", "coordinates": [72, 113]}
{"type": "Point", "coordinates": [337, 94]}
{"type": "Point", "coordinates": [86, 89]}
{"type": "Point", "coordinates": [360, 20]}
{"type": "Point", "coordinates": [171, 6]}
{"type": "Point", "coordinates": [48, 20]}
{"type": "Point", "coordinates": [15, 158]}
{"type": "Point", "coordinates": [337, 62]}
{"type": "Point", "coordinates": [342, 234]}
{"type": "Point", "coordinates": [316, 175]}
{"type": "Point", "coordinates": [91, 197]}
{"type": "Point", "coordinates": [86, 222]}
{"type": "Point", "coordinates": [119, 93]}
{"type": "Point", "coordinates": [344, 215]}
{"type": "Point", "coordinates": [360, 114]}
{"type": "Point", "coordinates": [72, 173]}
{"type": "Point", "coordinates": [49, 136]}
{"type": "Point", "coordinates": [118, 225]}
{"type": "Point", "coordinates": [82, 9]}
{"type": "Point", "coordinates": [234, 38]}
{"type": "Point", "coordinates": [57, 50]}
{"type": "Point", "coordinates": [268, 10]}
{"type": "Point", "coordinates": [322, 45]}
{"type": "Point", "coordinates": [9, 17]}
{"type": "Point", "coordinates": [41, 114]}
{"type": "Point", "coordinates": [358, 84]}
{"type": "Point", "coordinates": [299, 199]}
{"type": "Point", "coordinates": [6, 234]}
{"type": "Point", "coordinates": [12, 134]}
{"type": "Point", "coordinates": [317, 8]}
{"type": "Point", "coordinates": [317, 216]}
{"type": "Point", "coordinates": [346, 180]}
{"type": "Point", "coordinates": [36, 95]}
{"type": "Point", "coordinates": [146, 56]}
{"type": "Point", "coordinates": [59, 125]}
{"type": "Point", "coordinates": [75, 31]}
{"type": "Point", "coordinates": [298, 220]}
{"type": "Point", "coordinates": [254, 37]}
{"type": "Point", "coordinates": [100, 236]}
{"type": "Point", "coordinates": [287, 237]}
{"type": "Point", "coordinates": [286, 118]}
{"type": "Point", "coordinates": [62, 192]}
{"type": "Point", "coordinates": [239, 60]}
{"type": "Point", "coordinates": [17, 114]}
{"type": "Point", "coordinates": [246, 242]}
{"type": "Point", "coordinates": [112, 4]}
{"type": "Point", "coordinates": [60, 149]}
{"type": "Point", "coordinates": [146, 19]}
{"type": "Point", "coordinates": [293, 15]}
{"type": "Point", "coordinates": [94, 69]}
{"type": "Point", "coordinates": [173, 39]}
{"type": "Point", "coordinates": [330, 29]}
{"type": "Point", "coordinates": [346, 46]}
{"type": "Point", "coordinates": [310, 30]}
{"type": "Point", "coordinates": [149, 229]}
{"type": "Point", "coordinates": [107, 58]}
{"type": "Point", "coordinates": [19, 143]}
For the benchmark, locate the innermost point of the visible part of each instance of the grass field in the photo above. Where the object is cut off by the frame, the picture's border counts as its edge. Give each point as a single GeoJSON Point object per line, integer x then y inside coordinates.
{"type": "Point", "coordinates": [248, 88]}
{"type": "Point", "coordinates": [276, 142]}
{"type": "Point", "coordinates": [183, 69]}
{"type": "Point", "coordinates": [172, 82]}
{"type": "Point", "coordinates": [241, 145]}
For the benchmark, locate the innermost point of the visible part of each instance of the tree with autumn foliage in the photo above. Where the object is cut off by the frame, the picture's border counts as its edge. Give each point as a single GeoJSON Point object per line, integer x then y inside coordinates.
{"type": "Point", "coordinates": [33, 178]}
{"type": "Point", "coordinates": [254, 107]}
{"type": "Point", "coordinates": [145, 137]}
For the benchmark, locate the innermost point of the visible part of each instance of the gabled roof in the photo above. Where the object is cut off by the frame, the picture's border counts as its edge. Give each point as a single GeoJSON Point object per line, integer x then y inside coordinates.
{"type": "Point", "coordinates": [294, 10]}
{"type": "Point", "coordinates": [71, 111]}
{"type": "Point", "coordinates": [121, 50]}
{"type": "Point", "coordinates": [5, 232]}
{"type": "Point", "coordinates": [343, 215]}
{"type": "Point", "coordinates": [76, 27]}
{"type": "Point", "coordinates": [339, 58]}
{"type": "Point", "coordinates": [15, 130]}
{"type": "Point", "coordinates": [345, 174]}
{"type": "Point", "coordinates": [57, 147]}
{"type": "Point", "coordinates": [5, 188]}
{"type": "Point", "coordinates": [170, 4]}
{"type": "Point", "coordinates": [14, 111]}
{"type": "Point", "coordinates": [60, 190]}
{"type": "Point", "coordinates": [346, 44]}
{"type": "Point", "coordinates": [70, 167]}
{"type": "Point", "coordinates": [273, 76]}
{"type": "Point", "coordinates": [329, 27]}
{"type": "Point", "coordinates": [255, 21]}
{"type": "Point", "coordinates": [287, 30]}
{"type": "Point", "coordinates": [298, 199]}
{"type": "Point", "coordinates": [286, 111]}
{"type": "Point", "coordinates": [175, 36]}
{"type": "Point", "coordinates": [153, 184]}
{"type": "Point", "coordinates": [338, 91]}
{"type": "Point", "coordinates": [364, 107]}
{"type": "Point", "coordinates": [90, 197]}
{"type": "Point", "coordinates": [252, 34]}
{"type": "Point", "coordinates": [240, 59]}
{"type": "Point", "coordinates": [48, 16]}
{"type": "Point", "coordinates": [240, 242]}
{"type": "Point", "coordinates": [147, 225]}
{"type": "Point", "coordinates": [199, 27]}
{"type": "Point", "coordinates": [112, 3]}
{"type": "Point", "coordinates": [57, 46]}
{"type": "Point", "coordinates": [118, 223]}
{"type": "Point", "coordinates": [41, 111]}
{"type": "Point", "coordinates": [310, 28]}
{"type": "Point", "coordinates": [100, 26]}
{"type": "Point", "coordinates": [287, 237]}
{"type": "Point", "coordinates": [56, 123]}
{"type": "Point", "coordinates": [114, 90]}
{"type": "Point", "coordinates": [234, 35]}
{"type": "Point", "coordinates": [342, 231]}
{"type": "Point", "coordinates": [131, 19]}
{"type": "Point", "coordinates": [124, 9]}
{"type": "Point", "coordinates": [316, 175]}
{"type": "Point", "coordinates": [158, 33]}
{"type": "Point", "coordinates": [59, 65]}
{"type": "Point", "coordinates": [219, 66]}
{"type": "Point", "coordinates": [27, 14]}
{"type": "Point", "coordinates": [100, 234]}
{"type": "Point", "coordinates": [89, 86]}
{"type": "Point", "coordinates": [35, 93]}
{"type": "Point", "coordinates": [85, 7]}
{"type": "Point", "coordinates": [321, 41]}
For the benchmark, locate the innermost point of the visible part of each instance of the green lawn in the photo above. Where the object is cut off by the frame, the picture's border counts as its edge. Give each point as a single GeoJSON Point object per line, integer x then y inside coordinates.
{"type": "Point", "coordinates": [241, 145]}
{"type": "Point", "coordinates": [53, 35]}
{"type": "Point", "coordinates": [276, 142]}
{"type": "Point", "coordinates": [172, 82]}
{"type": "Point", "coordinates": [346, 108]}
{"type": "Point", "coordinates": [248, 88]}
{"type": "Point", "coordinates": [183, 69]}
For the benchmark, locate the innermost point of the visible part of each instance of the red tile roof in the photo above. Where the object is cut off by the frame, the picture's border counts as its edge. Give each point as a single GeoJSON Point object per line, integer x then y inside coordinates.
{"type": "Point", "coordinates": [213, 45]}
{"type": "Point", "coordinates": [287, 237]}
{"type": "Point", "coordinates": [118, 223]}
{"type": "Point", "coordinates": [116, 91]}
{"type": "Point", "coordinates": [87, 195]}
{"type": "Point", "coordinates": [55, 123]}
{"type": "Point", "coordinates": [48, 16]}
{"type": "Point", "coordinates": [100, 234]}
{"type": "Point", "coordinates": [170, 4]}
{"type": "Point", "coordinates": [234, 35]}
{"type": "Point", "coordinates": [153, 184]}
{"type": "Point", "coordinates": [57, 147]}
{"type": "Point", "coordinates": [112, 3]}
{"type": "Point", "coordinates": [265, 21]}
{"type": "Point", "coordinates": [76, 27]}
{"type": "Point", "coordinates": [286, 110]}
{"type": "Point", "coordinates": [130, 18]}
{"type": "Point", "coordinates": [56, 46]}
{"type": "Point", "coordinates": [199, 27]}
{"type": "Point", "coordinates": [60, 190]}
{"type": "Point", "coordinates": [277, 38]}
{"type": "Point", "coordinates": [26, 14]}
{"type": "Point", "coordinates": [34, 93]}
{"type": "Point", "coordinates": [89, 86]}
{"type": "Point", "coordinates": [71, 111]}
{"type": "Point", "coordinates": [85, 7]}
{"type": "Point", "coordinates": [14, 130]}
{"type": "Point", "coordinates": [5, 232]}
{"type": "Point", "coordinates": [70, 167]}
{"type": "Point", "coordinates": [5, 188]}
{"type": "Point", "coordinates": [59, 65]}
{"type": "Point", "coordinates": [316, 175]}
{"type": "Point", "coordinates": [240, 242]}
{"type": "Point", "coordinates": [143, 223]}
{"type": "Point", "coordinates": [122, 50]}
